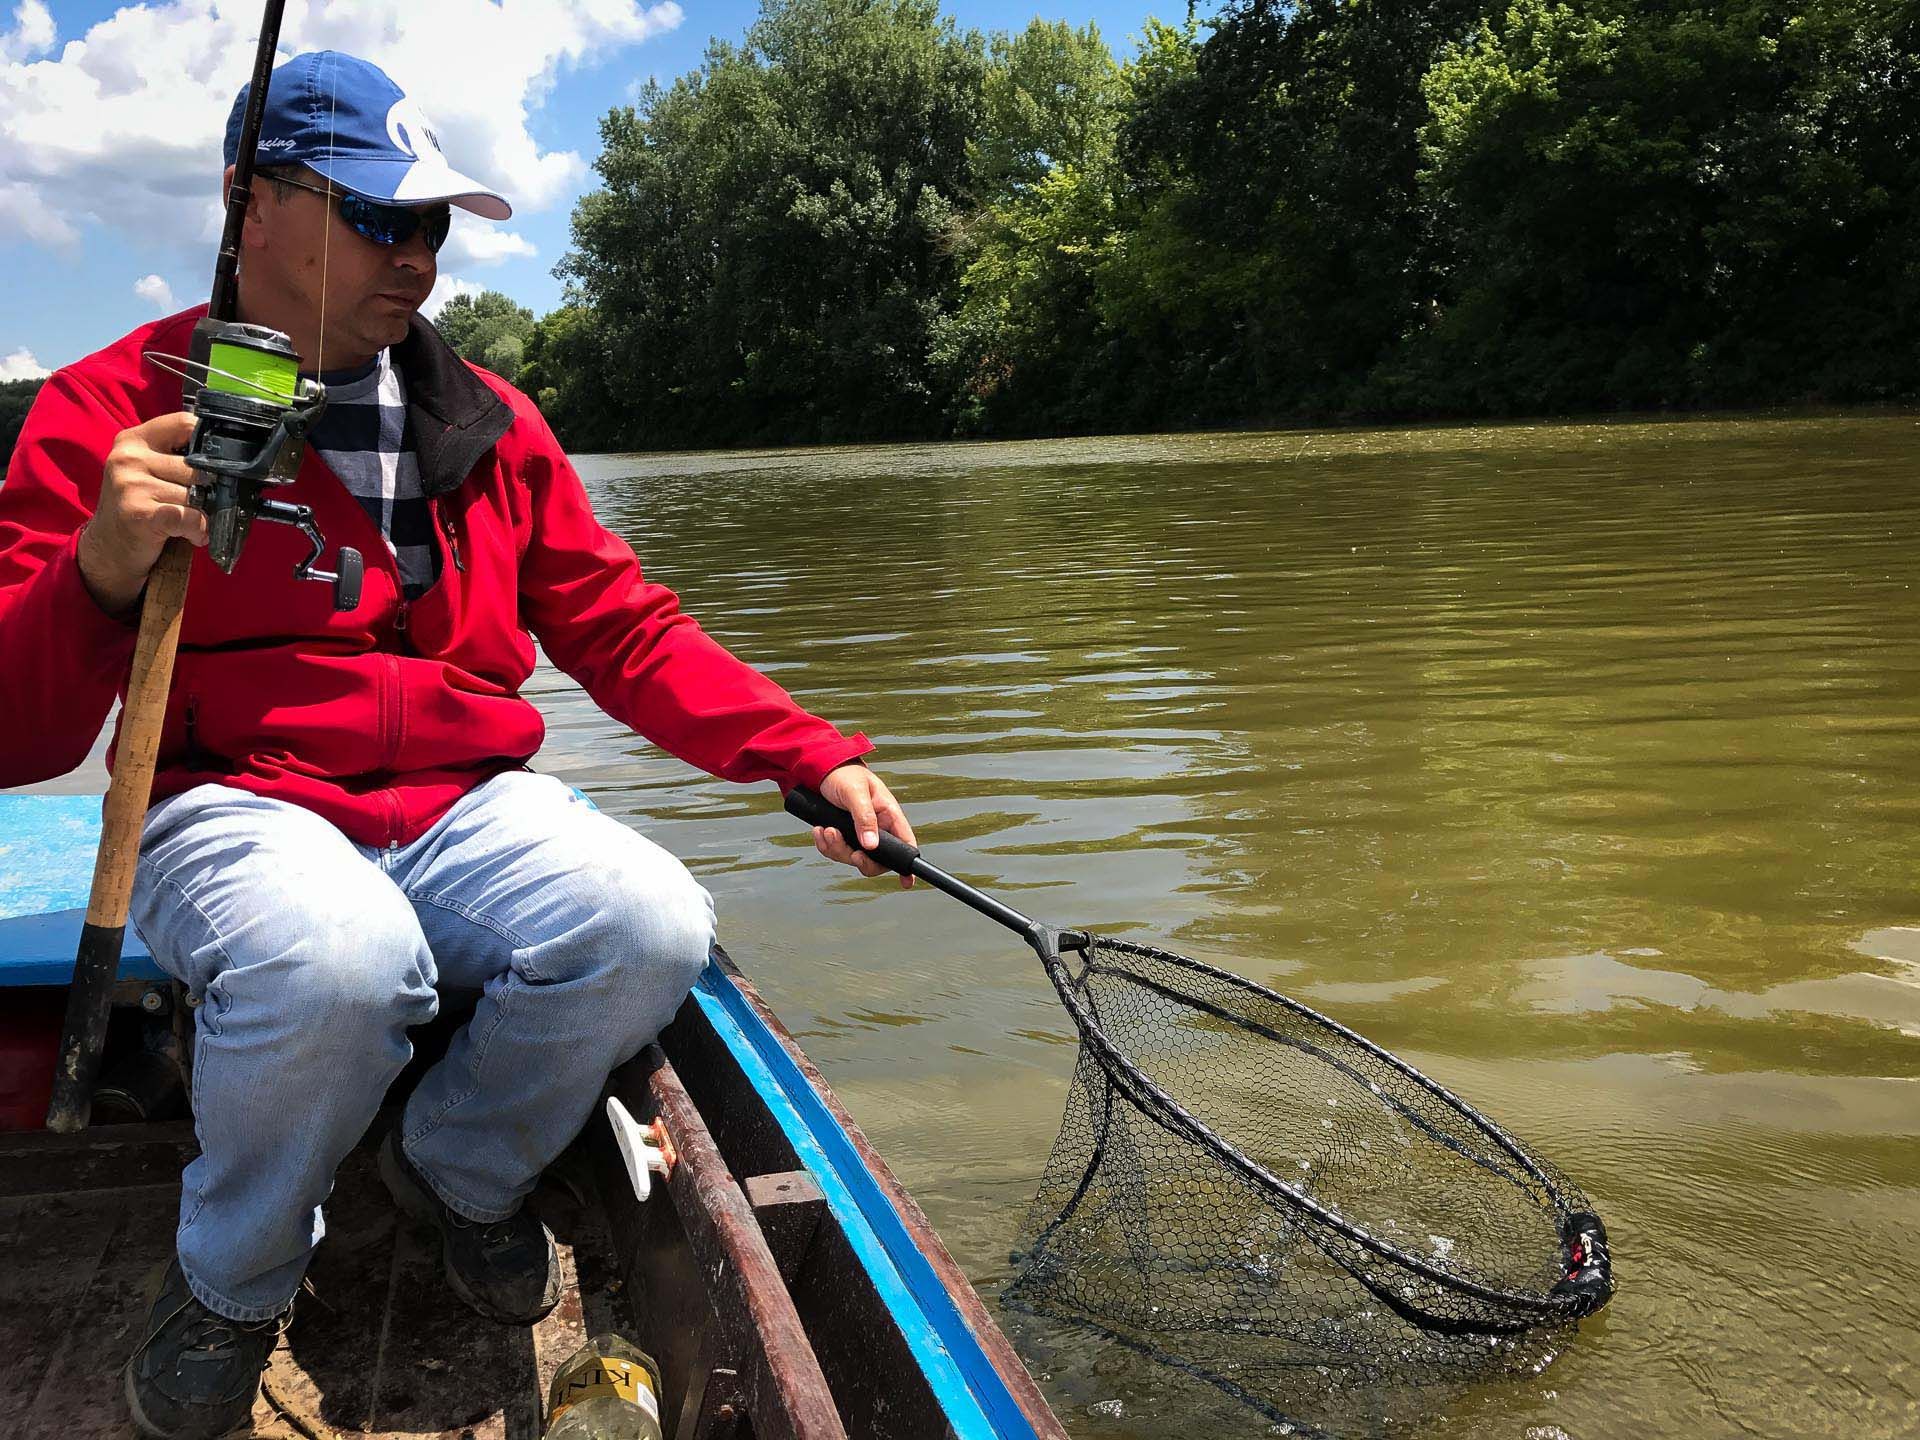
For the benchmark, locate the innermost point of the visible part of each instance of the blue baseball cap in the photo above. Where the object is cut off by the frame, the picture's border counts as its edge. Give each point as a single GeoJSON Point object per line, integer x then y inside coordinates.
{"type": "Point", "coordinates": [343, 118]}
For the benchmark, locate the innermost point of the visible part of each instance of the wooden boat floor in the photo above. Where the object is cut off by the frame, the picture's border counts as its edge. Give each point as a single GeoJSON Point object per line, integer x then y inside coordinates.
{"type": "Point", "coordinates": [379, 1346]}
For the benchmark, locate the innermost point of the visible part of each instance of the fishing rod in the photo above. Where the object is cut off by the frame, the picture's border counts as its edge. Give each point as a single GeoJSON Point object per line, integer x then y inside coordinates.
{"type": "Point", "coordinates": [252, 412]}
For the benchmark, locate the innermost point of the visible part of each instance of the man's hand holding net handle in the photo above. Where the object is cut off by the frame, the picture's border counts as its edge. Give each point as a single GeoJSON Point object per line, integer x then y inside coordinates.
{"type": "Point", "coordinates": [807, 805]}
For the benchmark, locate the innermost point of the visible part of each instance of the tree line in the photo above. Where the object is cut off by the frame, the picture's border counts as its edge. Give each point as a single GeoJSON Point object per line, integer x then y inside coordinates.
{"type": "Point", "coordinates": [16, 398]}
{"type": "Point", "coordinates": [862, 222]}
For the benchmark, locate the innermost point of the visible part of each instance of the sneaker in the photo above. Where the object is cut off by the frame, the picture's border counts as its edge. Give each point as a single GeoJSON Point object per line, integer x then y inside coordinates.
{"type": "Point", "coordinates": [195, 1375]}
{"type": "Point", "coordinates": [507, 1270]}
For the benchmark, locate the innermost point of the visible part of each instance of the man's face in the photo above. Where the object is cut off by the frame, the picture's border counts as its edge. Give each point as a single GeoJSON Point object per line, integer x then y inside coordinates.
{"type": "Point", "coordinates": [298, 249]}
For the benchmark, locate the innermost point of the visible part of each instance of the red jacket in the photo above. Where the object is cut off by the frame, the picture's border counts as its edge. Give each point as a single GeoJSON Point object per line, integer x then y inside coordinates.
{"type": "Point", "coordinates": [380, 718]}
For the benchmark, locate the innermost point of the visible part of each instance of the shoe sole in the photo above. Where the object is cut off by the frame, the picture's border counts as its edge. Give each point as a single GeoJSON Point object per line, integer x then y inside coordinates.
{"type": "Point", "coordinates": [417, 1205]}
{"type": "Point", "coordinates": [146, 1426]}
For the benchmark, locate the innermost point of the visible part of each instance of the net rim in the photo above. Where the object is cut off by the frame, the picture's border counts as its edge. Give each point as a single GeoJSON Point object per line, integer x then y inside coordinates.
{"type": "Point", "coordinates": [1492, 1131]}
{"type": "Point", "coordinates": [1154, 1101]}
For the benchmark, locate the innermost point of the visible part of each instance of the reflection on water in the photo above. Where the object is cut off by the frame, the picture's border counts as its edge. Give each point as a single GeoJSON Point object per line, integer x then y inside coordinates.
{"type": "Point", "coordinates": [1580, 764]}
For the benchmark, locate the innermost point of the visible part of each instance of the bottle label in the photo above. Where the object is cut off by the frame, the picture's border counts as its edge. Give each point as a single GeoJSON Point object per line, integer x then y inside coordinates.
{"type": "Point", "coordinates": [608, 1375]}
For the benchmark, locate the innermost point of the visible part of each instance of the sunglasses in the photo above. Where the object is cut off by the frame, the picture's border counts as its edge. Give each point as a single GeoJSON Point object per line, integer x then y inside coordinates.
{"type": "Point", "coordinates": [386, 224]}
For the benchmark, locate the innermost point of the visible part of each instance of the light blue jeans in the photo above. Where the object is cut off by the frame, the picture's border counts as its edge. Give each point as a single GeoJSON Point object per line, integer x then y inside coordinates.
{"type": "Point", "coordinates": [311, 956]}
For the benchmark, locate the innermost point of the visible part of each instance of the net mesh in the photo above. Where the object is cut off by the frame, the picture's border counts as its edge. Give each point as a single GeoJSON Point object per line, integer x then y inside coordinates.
{"type": "Point", "coordinates": [1336, 1213]}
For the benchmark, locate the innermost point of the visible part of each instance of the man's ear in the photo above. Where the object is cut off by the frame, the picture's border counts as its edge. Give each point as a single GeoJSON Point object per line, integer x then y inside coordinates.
{"type": "Point", "coordinates": [250, 233]}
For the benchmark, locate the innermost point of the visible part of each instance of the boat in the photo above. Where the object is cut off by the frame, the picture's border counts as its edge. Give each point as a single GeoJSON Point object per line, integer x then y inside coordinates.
{"type": "Point", "coordinates": [787, 1284]}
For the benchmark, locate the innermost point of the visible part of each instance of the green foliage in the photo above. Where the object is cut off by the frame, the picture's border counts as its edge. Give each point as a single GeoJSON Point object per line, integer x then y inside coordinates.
{"type": "Point", "coordinates": [1650, 205]}
{"type": "Point", "coordinates": [1018, 349]}
{"type": "Point", "coordinates": [770, 256]}
{"type": "Point", "coordinates": [1285, 170]}
{"type": "Point", "coordinates": [566, 374]}
{"type": "Point", "coordinates": [1051, 98]}
{"type": "Point", "coordinates": [488, 329]}
{"type": "Point", "coordinates": [860, 222]}
{"type": "Point", "coordinates": [16, 398]}
{"type": "Point", "coordinates": [504, 355]}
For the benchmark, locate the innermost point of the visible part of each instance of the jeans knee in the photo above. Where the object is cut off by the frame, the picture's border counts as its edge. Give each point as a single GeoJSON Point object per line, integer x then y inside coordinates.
{"type": "Point", "coordinates": [367, 973]}
{"type": "Point", "coordinates": [689, 928]}
{"type": "Point", "coordinates": [654, 940]}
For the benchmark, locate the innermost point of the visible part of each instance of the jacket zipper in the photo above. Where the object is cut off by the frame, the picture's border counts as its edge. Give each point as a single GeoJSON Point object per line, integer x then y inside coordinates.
{"type": "Point", "coordinates": [396, 822]}
{"type": "Point", "coordinates": [391, 700]}
{"type": "Point", "coordinates": [193, 732]}
{"type": "Point", "coordinates": [453, 537]}
{"type": "Point", "coordinates": [390, 718]}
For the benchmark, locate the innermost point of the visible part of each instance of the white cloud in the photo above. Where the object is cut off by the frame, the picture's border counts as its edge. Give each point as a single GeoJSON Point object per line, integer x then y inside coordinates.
{"type": "Point", "coordinates": [23, 215]}
{"type": "Point", "coordinates": [21, 365]}
{"type": "Point", "coordinates": [444, 289]}
{"type": "Point", "coordinates": [32, 33]}
{"type": "Point", "coordinates": [156, 292]}
{"type": "Point", "coordinates": [476, 242]}
{"type": "Point", "coordinates": [124, 126]}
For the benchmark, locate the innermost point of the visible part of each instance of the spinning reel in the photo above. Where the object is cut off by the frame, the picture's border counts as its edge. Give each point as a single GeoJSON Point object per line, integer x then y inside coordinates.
{"type": "Point", "coordinates": [254, 411]}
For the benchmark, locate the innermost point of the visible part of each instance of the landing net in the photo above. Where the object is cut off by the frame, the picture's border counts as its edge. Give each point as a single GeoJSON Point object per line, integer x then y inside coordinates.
{"type": "Point", "coordinates": [1247, 1187]}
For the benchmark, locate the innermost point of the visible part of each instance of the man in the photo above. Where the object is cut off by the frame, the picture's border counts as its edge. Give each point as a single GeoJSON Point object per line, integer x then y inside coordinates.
{"type": "Point", "coordinates": [343, 816]}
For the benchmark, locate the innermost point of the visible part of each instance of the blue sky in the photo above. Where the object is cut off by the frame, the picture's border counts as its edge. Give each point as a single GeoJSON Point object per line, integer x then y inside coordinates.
{"type": "Point", "coordinates": [70, 282]}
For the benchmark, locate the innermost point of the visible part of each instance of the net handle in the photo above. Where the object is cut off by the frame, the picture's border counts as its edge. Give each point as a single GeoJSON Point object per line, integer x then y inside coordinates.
{"type": "Point", "coordinates": [904, 859]}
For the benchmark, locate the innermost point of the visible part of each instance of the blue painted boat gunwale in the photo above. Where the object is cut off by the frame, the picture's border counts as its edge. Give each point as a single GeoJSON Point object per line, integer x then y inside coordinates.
{"type": "Point", "coordinates": [972, 1393]}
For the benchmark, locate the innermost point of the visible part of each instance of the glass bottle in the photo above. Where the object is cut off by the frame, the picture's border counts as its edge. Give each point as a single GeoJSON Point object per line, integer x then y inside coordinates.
{"type": "Point", "coordinates": [609, 1389]}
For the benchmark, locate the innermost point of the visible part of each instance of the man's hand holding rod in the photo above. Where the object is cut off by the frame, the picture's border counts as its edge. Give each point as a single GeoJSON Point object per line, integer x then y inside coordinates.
{"type": "Point", "coordinates": [144, 503]}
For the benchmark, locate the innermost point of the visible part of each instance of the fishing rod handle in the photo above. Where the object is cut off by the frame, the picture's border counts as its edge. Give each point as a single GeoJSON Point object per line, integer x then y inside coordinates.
{"type": "Point", "coordinates": [815, 809]}
{"type": "Point", "coordinates": [96, 966]}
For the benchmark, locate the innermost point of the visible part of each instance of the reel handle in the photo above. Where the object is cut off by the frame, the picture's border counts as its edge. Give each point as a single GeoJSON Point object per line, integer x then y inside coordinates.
{"type": "Point", "coordinates": [353, 569]}
{"type": "Point", "coordinates": [815, 809]}
{"type": "Point", "coordinates": [346, 581]}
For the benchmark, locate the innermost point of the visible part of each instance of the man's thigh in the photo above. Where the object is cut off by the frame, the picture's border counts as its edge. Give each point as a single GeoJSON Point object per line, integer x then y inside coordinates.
{"type": "Point", "coordinates": [525, 875]}
{"type": "Point", "coordinates": [229, 879]}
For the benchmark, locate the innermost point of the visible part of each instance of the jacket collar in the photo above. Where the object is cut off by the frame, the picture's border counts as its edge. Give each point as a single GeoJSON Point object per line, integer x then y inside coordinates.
{"type": "Point", "coordinates": [454, 416]}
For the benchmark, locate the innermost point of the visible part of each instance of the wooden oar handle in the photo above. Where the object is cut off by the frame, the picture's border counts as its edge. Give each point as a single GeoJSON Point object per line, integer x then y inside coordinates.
{"type": "Point", "coordinates": [97, 965]}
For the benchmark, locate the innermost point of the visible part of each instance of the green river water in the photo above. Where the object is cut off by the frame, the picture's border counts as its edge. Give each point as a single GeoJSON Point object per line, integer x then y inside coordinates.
{"type": "Point", "coordinates": [1578, 763]}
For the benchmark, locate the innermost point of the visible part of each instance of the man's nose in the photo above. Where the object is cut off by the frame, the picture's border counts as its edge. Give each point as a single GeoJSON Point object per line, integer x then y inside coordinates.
{"type": "Point", "coordinates": [412, 253]}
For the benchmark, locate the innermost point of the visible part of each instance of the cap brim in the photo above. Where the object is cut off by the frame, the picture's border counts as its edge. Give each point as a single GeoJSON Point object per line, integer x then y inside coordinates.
{"type": "Point", "coordinates": [414, 182]}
